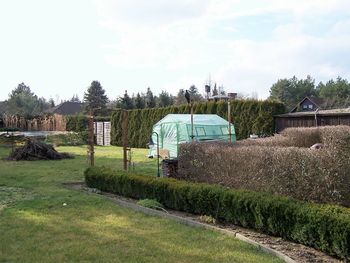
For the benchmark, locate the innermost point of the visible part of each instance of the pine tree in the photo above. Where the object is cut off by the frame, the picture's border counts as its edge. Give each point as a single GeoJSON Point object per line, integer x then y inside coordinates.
{"type": "Point", "coordinates": [95, 99]}
{"type": "Point", "coordinates": [150, 100]}
{"type": "Point", "coordinates": [165, 99]}
{"type": "Point", "coordinates": [195, 96]}
{"type": "Point", "coordinates": [139, 101]}
{"type": "Point", "coordinates": [180, 98]}
{"type": "Point", "coordinates": [126, 102]}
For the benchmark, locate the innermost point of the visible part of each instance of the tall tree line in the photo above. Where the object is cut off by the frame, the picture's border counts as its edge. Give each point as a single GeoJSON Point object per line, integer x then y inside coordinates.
{"type": "Point", "coordinates": [334, 93]}
{"type": "Point", "coordinates": [149, 100]}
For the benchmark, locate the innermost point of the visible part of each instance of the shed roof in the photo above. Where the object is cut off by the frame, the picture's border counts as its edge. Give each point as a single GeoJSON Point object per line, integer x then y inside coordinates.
{"type": "Point", "coordinates": [332, 112]}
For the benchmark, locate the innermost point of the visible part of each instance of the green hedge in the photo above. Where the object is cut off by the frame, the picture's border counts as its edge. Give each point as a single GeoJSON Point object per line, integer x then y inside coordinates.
{"type": "Point", "coordinates": [78, 123]}
{"type": "Point", "coordinates": [249, 116]}
{"type": "Point", "coordinates": [324, 227]}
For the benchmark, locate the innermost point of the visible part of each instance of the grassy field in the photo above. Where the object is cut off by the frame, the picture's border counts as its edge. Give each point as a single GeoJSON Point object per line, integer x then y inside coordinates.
{"type": "Point", "coordinates": [35, 226]}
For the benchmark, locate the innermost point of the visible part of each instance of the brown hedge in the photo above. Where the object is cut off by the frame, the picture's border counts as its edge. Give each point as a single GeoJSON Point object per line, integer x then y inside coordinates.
{"type": "Point", "coordinates": [275, 165]}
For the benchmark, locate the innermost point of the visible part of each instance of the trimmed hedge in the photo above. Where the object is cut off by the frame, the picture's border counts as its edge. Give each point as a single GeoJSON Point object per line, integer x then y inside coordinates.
{"type": "Point", "coordinates": [282, 164]}
{"type": "Point", "coordinates": [324, 227]}
{"type": "Point", "coordinates": [79, 123]}
{"type": "Point", "coordinates": [249, 116]}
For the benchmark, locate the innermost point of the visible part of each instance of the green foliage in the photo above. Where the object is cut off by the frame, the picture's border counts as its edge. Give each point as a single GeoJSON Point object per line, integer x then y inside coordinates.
{"type": "Point", "coordinates": [150, 99]}
{"type": "Point", "coordinates": [23, 102]}
{"type": "Point", "coordinates": [335, 93]}
{"type": "Point", "coordinates": [292, 91]}
{"type": "Point", "coordinates": [78, 123]}
{"type": "Point", "coordinates": [95, 99]}
{"type": "Point", "coordinates": [324, 227]}
{"type": "Point", "coordinates": [194, 94]}
{"type": "Point", "coordinates": [150, 203]}
{"type": "Point", "coordinates": [247, 115]}
{"type": "Point", "coordinates": [165, 99]}
{"type": "Point", "coordinates": [180, 97]}
{"type": "Point", "coordinates": [139, 101]}
{"type": "Point", "coordinates": [126, 102]}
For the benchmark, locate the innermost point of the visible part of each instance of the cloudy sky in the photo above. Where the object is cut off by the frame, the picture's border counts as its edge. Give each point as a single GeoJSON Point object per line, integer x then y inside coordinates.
{"type": "Point", "coordinates": [58, 47]}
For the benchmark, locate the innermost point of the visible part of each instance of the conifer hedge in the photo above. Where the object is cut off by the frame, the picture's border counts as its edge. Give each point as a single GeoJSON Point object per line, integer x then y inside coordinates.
{"type": "Point", "coordinates": [78, 123]}
{"type": "Point", "coordinates": [248, 116]}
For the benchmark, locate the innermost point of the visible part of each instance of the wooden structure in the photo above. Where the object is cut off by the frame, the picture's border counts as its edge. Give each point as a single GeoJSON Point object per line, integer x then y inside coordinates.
{"type": "Point", "coordinates": [53, 122]}
{"type": "Point", "coordinates": [312, 119]}
{"type": "Point", "coordinates": [91, 150]}
{"type": "Point", "coordinates": [103, 133]}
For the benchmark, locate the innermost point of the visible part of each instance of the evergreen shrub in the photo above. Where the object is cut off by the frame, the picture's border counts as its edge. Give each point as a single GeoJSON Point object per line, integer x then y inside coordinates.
{"type": "Point", "coordinates": [248, 116]}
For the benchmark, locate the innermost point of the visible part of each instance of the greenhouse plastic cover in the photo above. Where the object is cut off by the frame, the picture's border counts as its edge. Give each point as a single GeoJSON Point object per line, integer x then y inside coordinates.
{"type": "Point", "coordinates": [175, 129]}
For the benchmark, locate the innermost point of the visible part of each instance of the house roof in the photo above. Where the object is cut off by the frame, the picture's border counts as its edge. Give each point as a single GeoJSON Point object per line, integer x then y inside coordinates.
{"type": "Point", "coordinates": [67, 108]}
{"type": "Point", "coordinates": [316, 101]}
{"type": "Point", "coordinates": [337, 112]}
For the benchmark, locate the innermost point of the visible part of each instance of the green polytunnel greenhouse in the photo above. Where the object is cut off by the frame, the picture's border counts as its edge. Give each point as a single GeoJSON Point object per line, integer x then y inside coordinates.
{"type": "Point", "coordinates": [175, 129]}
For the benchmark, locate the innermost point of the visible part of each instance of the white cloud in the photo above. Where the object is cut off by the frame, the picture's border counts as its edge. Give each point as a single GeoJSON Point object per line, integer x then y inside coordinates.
{"type": "Point", "coordinates": [176, 35]}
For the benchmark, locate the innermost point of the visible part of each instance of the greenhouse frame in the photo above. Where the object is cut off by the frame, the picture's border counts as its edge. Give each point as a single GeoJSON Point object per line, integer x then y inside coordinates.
{"type": "Point", "coordinates": [175, 129]}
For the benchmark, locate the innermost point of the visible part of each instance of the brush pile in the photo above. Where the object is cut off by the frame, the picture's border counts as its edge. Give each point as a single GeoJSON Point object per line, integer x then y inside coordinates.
{"type": "Point", "coordinates": [35, 150]}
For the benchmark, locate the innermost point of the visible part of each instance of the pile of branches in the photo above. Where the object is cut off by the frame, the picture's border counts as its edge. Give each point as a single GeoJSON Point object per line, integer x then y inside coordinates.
{"type": "Point", "coordinates": [35, 150]}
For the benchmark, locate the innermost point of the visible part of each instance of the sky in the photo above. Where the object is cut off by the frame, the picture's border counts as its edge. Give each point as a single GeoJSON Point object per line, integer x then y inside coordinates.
{"type": "Point", "coordinates": [58, 47]}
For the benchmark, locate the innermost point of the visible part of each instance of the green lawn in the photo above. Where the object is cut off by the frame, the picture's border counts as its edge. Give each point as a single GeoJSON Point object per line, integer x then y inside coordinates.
{"type": "Point", "coordinates": [36, 227]}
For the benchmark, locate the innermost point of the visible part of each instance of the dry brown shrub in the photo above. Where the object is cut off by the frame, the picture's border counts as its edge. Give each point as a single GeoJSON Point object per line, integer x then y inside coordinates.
{"type": "Point", "coordinates": [273, 165]}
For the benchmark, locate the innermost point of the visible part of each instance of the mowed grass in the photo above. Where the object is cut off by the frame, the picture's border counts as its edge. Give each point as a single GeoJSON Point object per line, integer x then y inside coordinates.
{"type": "Point", "coordinates": [35, 226]}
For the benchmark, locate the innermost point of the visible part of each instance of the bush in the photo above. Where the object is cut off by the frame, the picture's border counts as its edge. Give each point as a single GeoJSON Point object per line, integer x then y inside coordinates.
{"type": "Point", "coordinates": [324, 227]}
{"type": "Point", "coordinates": [275, 165]}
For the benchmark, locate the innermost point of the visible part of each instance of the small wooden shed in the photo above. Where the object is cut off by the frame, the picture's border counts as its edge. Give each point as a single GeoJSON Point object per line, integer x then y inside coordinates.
{"type": "Point", "coordinates": [312, 119]}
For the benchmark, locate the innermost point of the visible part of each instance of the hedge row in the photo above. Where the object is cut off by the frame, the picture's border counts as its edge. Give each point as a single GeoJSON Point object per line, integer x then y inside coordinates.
{"type": "Point", "coordinates": [282, 164]}
{"type": "Point", "coordinates": [324, 227]}
{"type": "Point", "coordinates": [78, 123]}
{"type": "Point", "coordinates": [249, 116]}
